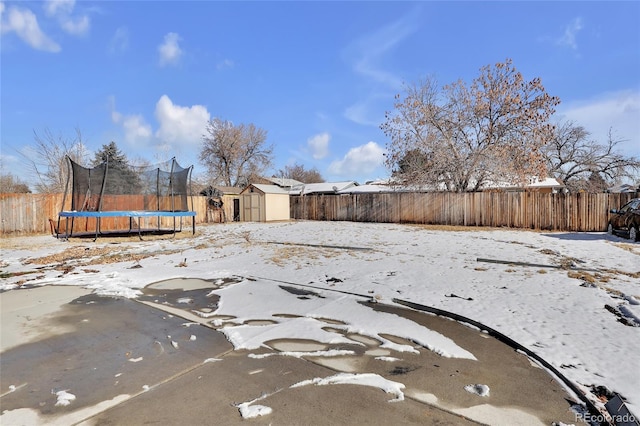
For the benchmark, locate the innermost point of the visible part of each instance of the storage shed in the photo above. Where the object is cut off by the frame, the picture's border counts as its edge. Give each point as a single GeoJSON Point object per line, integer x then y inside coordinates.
{"type": "Point", "coordinates": [264, 203]}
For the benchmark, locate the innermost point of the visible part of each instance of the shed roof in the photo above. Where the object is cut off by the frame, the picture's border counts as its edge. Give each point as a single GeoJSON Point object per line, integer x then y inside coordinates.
{"type": "Point", "coordinates": [265, 188]}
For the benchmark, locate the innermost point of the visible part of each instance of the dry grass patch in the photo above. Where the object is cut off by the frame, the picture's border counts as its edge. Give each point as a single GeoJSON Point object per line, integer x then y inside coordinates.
{"type": "Point", "coordinates": [302, 255]}
{"type": "Point", "coordinates": [633, 248]}
{"type": "Point", "coordinates": [619, 272]}
{"type": "Point", "coordinates": [582, 275]}
{"type": "Point", "coordinates": [589, 277]}
{"type": "Point", "coordinates": [85, 256]}
{"type": "Point", "coordinates": [72, 253]}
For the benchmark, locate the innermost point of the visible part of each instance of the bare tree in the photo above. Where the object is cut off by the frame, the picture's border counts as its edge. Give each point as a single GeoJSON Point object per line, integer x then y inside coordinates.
{"type": "Point", "coordinates": [9, 184]}
{"type": "Point", "coordinates": [460, 137]}
{"type": "Point", "coordinates": [234, 155]}
{"type": "Point", "coordinates": [574, 157]}
{"type": "Point", "coordinates": [299, 173]}
{"type": "Point", "coordinates": [47, 159]}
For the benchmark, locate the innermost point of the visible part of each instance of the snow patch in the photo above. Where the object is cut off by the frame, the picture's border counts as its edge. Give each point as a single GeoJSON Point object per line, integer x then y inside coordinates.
{"type": "Point", "coordinates": [365, 379]}
{"type": "Point", "coordinates": [480, 390]}
{"type": "Point", "coordinates": [64, 398]}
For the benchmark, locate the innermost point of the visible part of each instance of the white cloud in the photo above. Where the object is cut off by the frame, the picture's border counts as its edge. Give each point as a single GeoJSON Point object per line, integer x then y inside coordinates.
{"type": "Point", "coordinates": [178, 125]}
{"type": "Point", "coordinates": [319, 145]}
{"type": "Point", "coordinates": [54, 7]}
{"type": "Point", "coordinates": [570, 33]}
{"type": "Point", "coordinates": [184, 125]}
{"type": "Point", "coordinates": [76, 26]}
{"type": "Point", "coordinates": [368, 56]}
{"type": "Point", "coordinates": [136, 129]}
{"type": "Point", "coordinates": [62, 10]}
{"type": "Point", "coordinates": [120, 41]}
{"type": "Point", "coordinates": [24, 23]}
{"type": "Point", "coordinates": [360, 113]}
{"type": "Point", "coordinates": [368, 52]}
{"type": "Point", "coordinates": [169, 50]}
{"type": "Point", "coordinates": [618, 111]}
{"type": "Point", "coordinates": [360, 160]}
{"type": "Point", "coordinates": [225, 64]}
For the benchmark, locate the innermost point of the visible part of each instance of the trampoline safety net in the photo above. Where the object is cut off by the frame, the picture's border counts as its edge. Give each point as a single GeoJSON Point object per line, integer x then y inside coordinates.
{"type": "Point", "coordinates": [116, 197]}
{"type": "Point", "coordinates": [164, 187]}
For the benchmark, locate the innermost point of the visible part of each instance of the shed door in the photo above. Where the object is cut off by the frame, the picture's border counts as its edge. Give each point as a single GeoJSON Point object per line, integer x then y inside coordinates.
{"type": "Point", "coordinates": [251, 204]}
{"type": "Point", "coordinates": [236, 209]}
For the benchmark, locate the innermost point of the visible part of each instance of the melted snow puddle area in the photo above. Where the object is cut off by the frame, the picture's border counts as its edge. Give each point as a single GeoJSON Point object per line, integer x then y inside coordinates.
{"type": "Point", "coordinates": [363, 343]}
{"type": "Point", "coordinates": [252, 314]}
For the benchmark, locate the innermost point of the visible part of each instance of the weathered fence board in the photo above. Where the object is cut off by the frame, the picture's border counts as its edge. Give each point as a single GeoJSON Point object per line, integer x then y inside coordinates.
{"type": "Point", "coordinates": [36, 213]}
{"type": "Point", "coordinates": [558, 212]}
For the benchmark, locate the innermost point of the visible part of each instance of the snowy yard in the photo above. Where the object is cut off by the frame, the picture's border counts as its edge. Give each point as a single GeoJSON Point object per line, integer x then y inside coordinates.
{"type": "Point", "coordinates": [572, 298]}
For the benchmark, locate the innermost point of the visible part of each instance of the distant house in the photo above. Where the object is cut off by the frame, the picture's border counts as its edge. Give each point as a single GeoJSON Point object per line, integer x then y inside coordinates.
{"type": "Point", "coordinates": [547, 185]}
{"type": "Point", "coordinates": [623, 188]}
{"type": "Point", "coordinates": [322, 188]}
{"type": "Point", "coordinates": [284, 183]}
{"type": "Point", "coordinates": [264, 203]}
{"type": "Point", "coordinates": [377, 188]}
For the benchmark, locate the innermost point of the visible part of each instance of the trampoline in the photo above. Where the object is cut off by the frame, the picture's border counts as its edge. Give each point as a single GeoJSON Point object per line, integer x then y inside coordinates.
{"type": "Point", "coordinates": [160, 195]}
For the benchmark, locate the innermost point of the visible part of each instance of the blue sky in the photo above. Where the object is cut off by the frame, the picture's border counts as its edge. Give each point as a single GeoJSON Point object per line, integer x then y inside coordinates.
{"type": "Point", "coordinates": [317, 76]}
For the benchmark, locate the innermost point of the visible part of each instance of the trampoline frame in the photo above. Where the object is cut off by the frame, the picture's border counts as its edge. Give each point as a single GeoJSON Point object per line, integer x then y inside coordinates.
{"type": "Point", "coordinates": [131, 214]}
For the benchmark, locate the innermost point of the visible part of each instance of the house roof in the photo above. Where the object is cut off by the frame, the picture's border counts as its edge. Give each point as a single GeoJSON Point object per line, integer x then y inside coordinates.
{"type": "Point", "coordinates": [322, 188]}
{"type": "Point", "coordinates": [534, 183]}
{"type": "Point", "coordinates": [266, 188]}
{"type": "Point", "coordinates": [374, 188]}
{"type": "Point", "coordinates": [623, 188]}
{"type": "Point", "coordinates": [546, 183]}
{"type": "Point", "coordinates": [231, 190]}
{"type": "Point", "coordinates": [284, 182]}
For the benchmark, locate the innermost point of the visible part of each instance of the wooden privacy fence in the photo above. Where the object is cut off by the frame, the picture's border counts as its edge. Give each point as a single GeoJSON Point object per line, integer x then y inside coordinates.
{"type": "Point", "coordinates": [30, 213]}
{"type": "Point", "coordinates": [36, 213]}
{"type": "Point", "coordinates": [559, 212]}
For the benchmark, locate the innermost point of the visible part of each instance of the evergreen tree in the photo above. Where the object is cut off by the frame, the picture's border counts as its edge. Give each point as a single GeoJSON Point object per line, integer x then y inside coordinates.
{"type": "Point", "coordinates": [121, 176]}
{"type": "Point", "coordinates": [596, 183]}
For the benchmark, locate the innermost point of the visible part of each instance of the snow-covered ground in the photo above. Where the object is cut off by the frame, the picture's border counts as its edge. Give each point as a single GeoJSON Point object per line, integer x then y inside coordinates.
{"type": "Point", "coordinates": [572, 298]}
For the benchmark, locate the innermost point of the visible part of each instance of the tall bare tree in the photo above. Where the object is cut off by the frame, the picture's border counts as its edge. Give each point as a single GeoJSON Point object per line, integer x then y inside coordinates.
{"type": "Point", "coordinates": [47, 159]}
{"type": "Point", "coordinates": [573, 156]}
{"type": "Point", "coordinates": [10, 184]}
{"type": "Point", "coordinates": [232, 154]}
{"type": "Point", "coordinates": [299, 173]}
{"type": "Point", "coordinates": [460, 137]}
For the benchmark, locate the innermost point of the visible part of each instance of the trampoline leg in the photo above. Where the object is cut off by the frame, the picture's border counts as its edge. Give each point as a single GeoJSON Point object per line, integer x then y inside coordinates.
{"type": "Point", "coordinates": [66, 225]}
{"type": "Point", "coordinates": [58, 228]}
{"type": "Point", "coordinates": [97, 229]}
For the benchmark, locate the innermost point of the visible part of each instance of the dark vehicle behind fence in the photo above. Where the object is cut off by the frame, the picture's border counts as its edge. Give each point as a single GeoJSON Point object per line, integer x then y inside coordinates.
{"type": "Point", "coordinates": [626, 221]}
